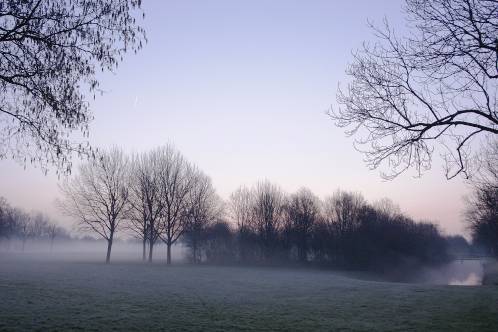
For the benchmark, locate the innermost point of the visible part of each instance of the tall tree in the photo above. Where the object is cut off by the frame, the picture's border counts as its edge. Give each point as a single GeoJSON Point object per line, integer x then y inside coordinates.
{"type": "Point", "coordinates": [241, 205]}
{"type": "Point", "coordinates": [50, 52]}
{"type": "Point", "coordinates": [203, 208]}
{"type": "Point", "coordinates": [7, 221]}
{"type": "Point", "coordinates": [268, 208]}
{"type": "Point", "coordinates": [342, 217]}
{"type": "Point", "coordinates": [176, 179]}
{"type": "Point", "coordinates": [482, 205]}
{"type": "Point", "coordinates": [435, 90]}
{"type": "Point", "coordinates": [343, 210]}
{"type": "Point", "coordinates": [97, 196]}
{"type": "Point", "coordinates": [304, 211]}
{"type": "Point", "coordinates": [24, 225]}
{"type": "Point", "coordinates": [53, 231]}
{"type": "Point", "coordinates": [145, 200]}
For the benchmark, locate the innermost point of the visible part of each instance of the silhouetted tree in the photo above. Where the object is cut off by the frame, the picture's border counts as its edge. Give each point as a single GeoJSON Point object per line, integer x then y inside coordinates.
{"type": "Point", "coordinates": [304, 210]}
{"type": "Point", "coordinates": [15, 223]}
{"type": "Point", "coordinates": [7, 221]}
{"type": "Point", "coordinates": [176, 179]}
{"type": "Point", "coordinates": [343, 210]}
{"type": "Point", "coordinates": [49, 52]}
{"type": "Point", "coordinates": [97, 196]}
{"type": "Point", "coordinates": [220, 247]}
{"type": "Point", "coordinates": [482, 205]}
{"type": "Point", "coordinates": [203, 208]}
{"type": "Point", "coordinates": [437, 87]}
{"type": "Point", "coordinates": [386, 240]}
{"type": "Point", "coordinates": [458, 246]}
{"type": "Point", "coordinates": [241, 206]}
{"type": "Point", "coordinates": [342, 213]}
{"type": "Point", "coordinates": [145, 199]}
{"type": "Point", "coordinates": [268, 208]}
{"type": "Point", "coordinates": [322, 241]}
{"type": "Point", "coordinates": [387, 208]}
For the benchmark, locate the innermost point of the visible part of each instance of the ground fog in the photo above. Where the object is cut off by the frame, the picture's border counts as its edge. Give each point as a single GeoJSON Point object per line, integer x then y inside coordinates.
{"type": "Point", "coordinates": [60, 294]}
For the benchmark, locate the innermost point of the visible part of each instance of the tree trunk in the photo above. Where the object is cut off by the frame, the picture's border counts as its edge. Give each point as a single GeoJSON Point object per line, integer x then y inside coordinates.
{"type": "Point", "coordinates": [168, 258]}
{"type": "Point", "coordinates": [144, 244]}
{"type": "Point", "coordinates": [303, 249]}
{"type": "Point", "coordinates": [195, 251]}
{"type": "Point", "coordinates": [109, 247]}
{"type": "Point", "coordinates": [151, 247]}
{"type": "Point", "coordinates": [242, 246]}
{"type": "Point", "coordinates": [302, 254]}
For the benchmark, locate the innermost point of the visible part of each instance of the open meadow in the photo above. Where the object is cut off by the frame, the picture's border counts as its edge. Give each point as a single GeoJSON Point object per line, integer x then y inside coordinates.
{"type": "Point", "coordinates": [58, 294]}
{"type": "Point", "coordinates": [222, 165]}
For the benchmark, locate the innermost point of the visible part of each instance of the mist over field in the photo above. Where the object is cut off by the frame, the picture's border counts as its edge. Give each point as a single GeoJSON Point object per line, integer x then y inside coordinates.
{"type": "Point", "coordinates": [456, 272]}
{"type": "Point", "coordinates": [190, 165]}
{"type": "Point", "coordinates": [43, 283]}
{"type": "Point", "coordinates": [85, 250]}
{"type": "Point", "coordinates": [40, 291]}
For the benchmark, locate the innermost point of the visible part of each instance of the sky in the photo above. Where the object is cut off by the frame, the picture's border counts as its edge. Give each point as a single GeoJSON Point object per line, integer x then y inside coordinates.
{"type": "Point", "coordinates": [241, 88]}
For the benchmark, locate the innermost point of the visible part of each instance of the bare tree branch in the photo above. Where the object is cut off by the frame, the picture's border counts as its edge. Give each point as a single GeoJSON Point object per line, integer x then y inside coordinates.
{"type": "Point", "coordinates": [436, 88]}
{"type": "Point", "coordinates": [49, 53]}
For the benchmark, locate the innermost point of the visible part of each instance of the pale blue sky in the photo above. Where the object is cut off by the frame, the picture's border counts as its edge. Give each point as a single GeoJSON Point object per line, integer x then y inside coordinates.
{"type": "Point", "coordinates": [241, 88]}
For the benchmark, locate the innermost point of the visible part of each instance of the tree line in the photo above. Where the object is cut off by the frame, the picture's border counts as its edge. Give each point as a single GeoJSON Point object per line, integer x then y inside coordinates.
{"type": "Point", "coordinates": [159, 196]}
{"type": "Point", "coordinates": [344, 230]}
{"type": "Point", "coordinates": [18, 224]}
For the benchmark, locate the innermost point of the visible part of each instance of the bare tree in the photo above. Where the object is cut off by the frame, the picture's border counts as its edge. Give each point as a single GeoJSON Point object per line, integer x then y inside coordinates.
{"type": "Point", "coordinates": [241, 206]}
{"type": "Point", "coordinates": [437, 88]}
{"type": "Point", "coordinates": [204, 207]}
{"type": "Point", "coordinates": [268, 207]}
{"type": "Point", "coordinates": [304, 211]}
{"type": "Point", "coordinates": [39, 225]}
{"type": "Point", "coordinates": [43, 228]}
{"type": "Point", "coordinates": [24, 225]}
{"type": "Point", "coordinates": [486, 167]}
{"type": "Point", "coordinates": [97, 196]}
{"type": "Point", "coordinates": [220, 243]}
{"type": "Point", "coordinates": [482, 205]}
{"type": "Point", "coordinates": [342, 211]}
{"type": "Point", "coordinates": [7, 222]}
{"type": "Point", "coordinates": [145, 200]}
{"type": "Point", "coordinates": [52, 230]}
{"type": "Point", "coordinates": [176, 180]}
{"type": "Point", "coordinates": [342, 217]}
{"type": "Point", "coordinates": [387, 208]}
{"type": "Point", "coordinates": [15, 223]}
{"type": "Point", "coordinates": [50, 51]}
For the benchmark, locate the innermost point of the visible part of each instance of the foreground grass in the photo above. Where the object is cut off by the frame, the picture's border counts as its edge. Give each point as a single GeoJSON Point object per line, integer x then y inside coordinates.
{"type": "Point", "coordinates": [42, 295]}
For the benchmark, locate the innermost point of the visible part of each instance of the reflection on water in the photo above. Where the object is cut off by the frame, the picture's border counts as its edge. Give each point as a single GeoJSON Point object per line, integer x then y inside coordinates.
{"type": "Point", "coordinates": [458, 272]}
{"type": "Point", "coordinates": [473, 279]}
{"type": "Point", "coordinates": [466, 273]}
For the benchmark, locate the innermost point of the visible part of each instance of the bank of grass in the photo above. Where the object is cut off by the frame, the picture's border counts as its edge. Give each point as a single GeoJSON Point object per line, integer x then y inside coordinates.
{"type": "Point", "coordinates": [491, 273]}
{"type": "Point", "coordinates": [42, 295]}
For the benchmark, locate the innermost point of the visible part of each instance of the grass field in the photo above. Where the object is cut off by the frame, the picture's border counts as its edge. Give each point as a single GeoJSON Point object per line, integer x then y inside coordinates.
{"type": "Point", "coordinates": [56, 295]}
